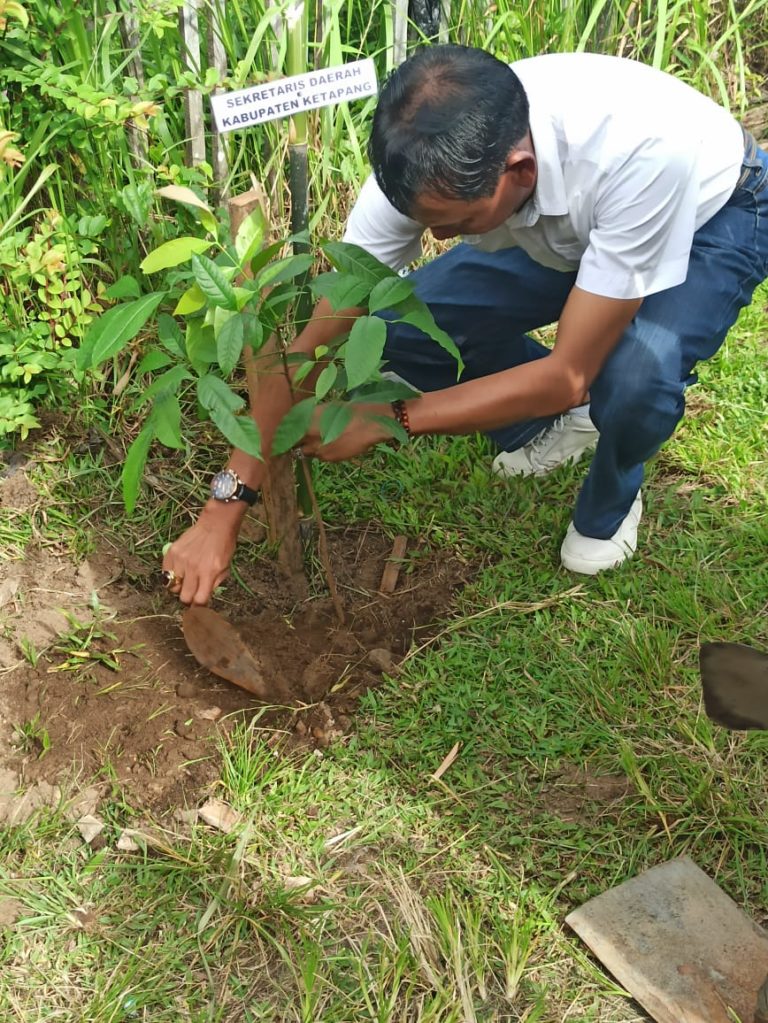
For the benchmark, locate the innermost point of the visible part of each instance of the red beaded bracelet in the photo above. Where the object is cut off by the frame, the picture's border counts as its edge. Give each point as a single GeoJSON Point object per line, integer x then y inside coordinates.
{"type": "Point", "coordinates": [401, 415]}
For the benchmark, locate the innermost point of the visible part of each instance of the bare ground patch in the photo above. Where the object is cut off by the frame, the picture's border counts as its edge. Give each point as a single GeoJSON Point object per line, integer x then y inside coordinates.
{"type": "Point", "coordinates": [97, 683]}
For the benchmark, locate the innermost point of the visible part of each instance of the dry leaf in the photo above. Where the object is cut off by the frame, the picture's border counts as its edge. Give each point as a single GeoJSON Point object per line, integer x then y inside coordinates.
{"type": "Point", "coordinates": [219, 815]}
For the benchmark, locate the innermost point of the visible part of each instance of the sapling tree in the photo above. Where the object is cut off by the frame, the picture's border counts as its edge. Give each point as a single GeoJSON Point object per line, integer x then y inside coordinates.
{"type": "Point", "coordinates": [229, 294]}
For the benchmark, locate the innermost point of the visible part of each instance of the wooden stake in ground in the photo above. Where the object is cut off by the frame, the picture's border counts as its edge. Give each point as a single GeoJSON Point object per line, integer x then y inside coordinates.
{"type": "Point", "coordinates": [193, 101]}
{"type": "Point", "coordinates": [391, 571]}
{"type": "Point", "coordinates": [217, 58]}
{"type": "Point", "coordinates": [279, 489]}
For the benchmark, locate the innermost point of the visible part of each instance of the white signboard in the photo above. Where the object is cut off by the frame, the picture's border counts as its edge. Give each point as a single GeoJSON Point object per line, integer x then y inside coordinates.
{"type": "Point", "coordinates": [288, 96]}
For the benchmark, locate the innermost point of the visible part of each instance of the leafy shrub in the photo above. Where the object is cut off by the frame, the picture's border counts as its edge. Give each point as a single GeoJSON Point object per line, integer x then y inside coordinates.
{"type": "Point", "coordinates": [237, 294]}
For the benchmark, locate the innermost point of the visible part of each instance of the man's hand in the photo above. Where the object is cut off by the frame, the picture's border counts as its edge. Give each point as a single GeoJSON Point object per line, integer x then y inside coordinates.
{"type": "Point", "coordinates": [200, 558]}
{"type": "Point", "coordinates": [362, 433]}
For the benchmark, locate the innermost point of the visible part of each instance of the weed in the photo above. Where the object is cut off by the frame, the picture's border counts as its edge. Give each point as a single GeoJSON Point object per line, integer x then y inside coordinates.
{"type": "Point", "coordinates": [32, 737]}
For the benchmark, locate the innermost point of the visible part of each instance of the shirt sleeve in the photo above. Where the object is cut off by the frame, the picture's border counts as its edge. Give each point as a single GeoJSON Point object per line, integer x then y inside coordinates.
{"type": "Point", "coordinates": [376, 226]}
{"type": "Point", "coordinates": [644, 222]}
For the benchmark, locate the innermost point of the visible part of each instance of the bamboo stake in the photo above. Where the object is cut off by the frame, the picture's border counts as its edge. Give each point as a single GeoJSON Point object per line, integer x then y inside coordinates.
{"type": "Point", "coordinates": [298, 183]}
{"type": "Point", "coordinates": [399, 32]}
{"type": "Point", "coordinates": [445, 21]}
{"type": "Point", "coordinates": [217, 58]}
{"type": "Point", "coordinates": [131, 37]}
{"type": "Point", "coordinates": [189, 29]}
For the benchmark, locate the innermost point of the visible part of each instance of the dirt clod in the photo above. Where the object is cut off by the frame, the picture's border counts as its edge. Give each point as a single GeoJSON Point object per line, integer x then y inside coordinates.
{"type": "Point", "coordinates": [11, 910]}
{"type": "Point", "coordinates": [381, 659]}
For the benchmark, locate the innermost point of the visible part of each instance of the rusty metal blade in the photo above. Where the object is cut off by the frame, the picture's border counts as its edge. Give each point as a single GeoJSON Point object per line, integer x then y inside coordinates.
{"type": "Point", "coordinates": [217, 646]}
{"type": "Point", "coordinates": [735, 683]}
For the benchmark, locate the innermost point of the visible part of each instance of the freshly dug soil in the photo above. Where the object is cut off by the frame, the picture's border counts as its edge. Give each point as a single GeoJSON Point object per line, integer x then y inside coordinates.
{"type": "Point", "coordinates": [119, 699]}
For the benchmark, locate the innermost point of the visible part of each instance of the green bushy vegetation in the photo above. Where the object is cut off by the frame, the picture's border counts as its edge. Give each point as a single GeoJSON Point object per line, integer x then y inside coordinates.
{"type": "Point", "coordinates": [92, 125]}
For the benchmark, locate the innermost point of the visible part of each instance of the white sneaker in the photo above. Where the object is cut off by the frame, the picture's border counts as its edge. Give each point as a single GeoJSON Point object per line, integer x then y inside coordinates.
{"type": "Point", "coordinates": [565, 440]}
{"type": "Point", "coordinates": [588, 556]}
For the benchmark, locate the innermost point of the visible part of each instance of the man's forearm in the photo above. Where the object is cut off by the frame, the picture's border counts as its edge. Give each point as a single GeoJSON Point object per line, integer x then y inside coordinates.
{"type": "Point", "coordinates": [590, 327]}
{"type": "Point", "coordinates": [523, 392]}
{"type": "Point", "coordinates": [268, 382]}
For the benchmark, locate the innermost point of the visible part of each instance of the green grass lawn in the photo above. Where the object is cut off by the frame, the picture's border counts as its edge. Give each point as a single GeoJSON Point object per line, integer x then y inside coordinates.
{"type": "Point", "coordinates": [584, 758]}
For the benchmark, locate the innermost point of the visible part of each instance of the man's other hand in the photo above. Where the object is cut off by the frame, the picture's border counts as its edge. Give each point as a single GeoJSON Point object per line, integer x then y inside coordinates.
{"type": "Point", "coordinates": [363, 432]}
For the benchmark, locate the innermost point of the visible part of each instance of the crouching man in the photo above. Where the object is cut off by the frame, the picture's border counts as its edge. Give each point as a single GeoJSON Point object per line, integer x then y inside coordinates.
{"type": "Point", "coordinates": [588, 190]}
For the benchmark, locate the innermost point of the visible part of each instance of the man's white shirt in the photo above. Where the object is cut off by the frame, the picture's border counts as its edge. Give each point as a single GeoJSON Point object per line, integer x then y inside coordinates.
{"type": "Point", "coordinates": [631, 162]}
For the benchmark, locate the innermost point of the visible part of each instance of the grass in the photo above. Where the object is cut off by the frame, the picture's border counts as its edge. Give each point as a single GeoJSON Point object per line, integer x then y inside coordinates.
{"type": "Point", "coordinates": [358, 888]}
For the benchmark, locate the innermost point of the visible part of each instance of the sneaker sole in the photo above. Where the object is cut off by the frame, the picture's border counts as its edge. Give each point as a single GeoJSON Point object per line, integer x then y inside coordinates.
{"type": "Point", "coordinates": [503, 471]}
{"type": "Point", "coordinates": [589, 567]}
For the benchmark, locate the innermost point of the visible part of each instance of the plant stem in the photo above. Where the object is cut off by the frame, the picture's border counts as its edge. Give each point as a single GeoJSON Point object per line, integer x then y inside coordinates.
{"type": "Point", "coordinates": [322, 543]}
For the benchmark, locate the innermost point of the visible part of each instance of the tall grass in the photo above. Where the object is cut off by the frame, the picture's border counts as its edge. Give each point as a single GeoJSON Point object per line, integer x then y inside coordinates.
{"type": "Point", "coordinates": [713, 44]}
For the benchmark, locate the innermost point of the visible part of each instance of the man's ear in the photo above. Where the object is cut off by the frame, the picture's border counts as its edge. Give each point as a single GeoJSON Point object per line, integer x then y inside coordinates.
{"type": "Point", "coordinates": [521, 165]}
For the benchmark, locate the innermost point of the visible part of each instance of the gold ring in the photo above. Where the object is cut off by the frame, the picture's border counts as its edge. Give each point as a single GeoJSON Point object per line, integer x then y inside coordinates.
{"type": "Point", "coordinates": [168, 576]}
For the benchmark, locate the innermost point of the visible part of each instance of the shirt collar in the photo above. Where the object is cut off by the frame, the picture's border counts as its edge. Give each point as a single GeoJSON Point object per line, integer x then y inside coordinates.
{"type": "Point", "coordinates": [549, 198]}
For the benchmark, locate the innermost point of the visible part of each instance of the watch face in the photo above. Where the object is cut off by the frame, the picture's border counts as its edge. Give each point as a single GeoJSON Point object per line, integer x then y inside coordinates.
{"type": "Point", "coordinates": [224, 485]}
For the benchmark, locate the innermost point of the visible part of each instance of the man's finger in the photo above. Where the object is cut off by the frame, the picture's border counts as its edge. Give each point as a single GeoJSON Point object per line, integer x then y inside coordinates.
{"type": "Point", "coordinates": [189, 588]}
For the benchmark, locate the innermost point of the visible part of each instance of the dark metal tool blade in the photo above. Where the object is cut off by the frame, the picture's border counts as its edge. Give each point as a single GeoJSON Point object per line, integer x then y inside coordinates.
{"type": "Point", "coordinates": [735, 682]}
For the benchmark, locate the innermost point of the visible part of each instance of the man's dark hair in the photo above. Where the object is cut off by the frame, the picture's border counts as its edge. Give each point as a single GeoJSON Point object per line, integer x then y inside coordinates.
{"type": "Point", "coordinates": [445, 123]}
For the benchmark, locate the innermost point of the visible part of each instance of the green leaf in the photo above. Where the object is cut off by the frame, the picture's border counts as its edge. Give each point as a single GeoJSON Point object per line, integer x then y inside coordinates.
{"type": "Point", "coordinates": [137, 202]}
{"type": "Point", "coordinates": [253, 331]}
{"type": "Point", "coordinates": [262, 258]}
{"type": "Point", "coordinates": [126, 287]}
{"type": "Point", "coordinates": [166, 415]}
{"type": "Point", "coordinates": [389, 292]}
{"type": "Point", "coordinates": [304, 370]}
{"type": "Point", "coordinates": [285, 269]}
{"type": "Point", "coordinates": [241, 431]}
{"type": "Point", "coordinates": [420, 316]}
{"type": "Point", "coordinates": [356, 261]}
{"type": "Point", "coordinates": [229, 343]}
{"type": "Point", "coordinates": [250, 235]}
{"type": "Point", "coordinates": [325, 381]}
{"type": "Point", "coordinates": [171, 253]}
{"type": "Point", "coordinates": [343, 290]}
{"type": "Point", "coordinates": [182, 194]}
{"type": "Point", "coordinates": [192, 301]}
{"type": "Point", "coordinates": [293, 426]}
{"type": "Point", "coordinates": [167, 383]}
{"type": "Point", "coordinates": [169, 333]}
{"type": "Point", "coordinates": [363, 349]}
{"type": "Point", "coordinates": [334, 420]}
{"type": "Point", "coordinates": [133, 467]}
{"type": "Point", "coordinates": [213, 393]}
{"type": "Point", "coordinates": [200, 345]}
{"type": "Point", "coordinates": [383, 390]}
{"type": "Point", "coordinates": [152, 361]}
{"type": "Point", "coordinates": [115, 328]}
{"type": "Point", "coordinates": [213, 283]}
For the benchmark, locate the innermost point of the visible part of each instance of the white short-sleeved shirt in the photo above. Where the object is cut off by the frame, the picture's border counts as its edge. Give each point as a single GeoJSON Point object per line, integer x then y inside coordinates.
{"type": "Point", "coordinates": [631, 162]}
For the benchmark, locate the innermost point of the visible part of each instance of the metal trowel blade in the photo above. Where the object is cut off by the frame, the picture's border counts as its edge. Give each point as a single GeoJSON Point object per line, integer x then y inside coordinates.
{"type": "Point", "coordinates": [218, 646]}
{"type": "Point", "coordinates": [735, 682]}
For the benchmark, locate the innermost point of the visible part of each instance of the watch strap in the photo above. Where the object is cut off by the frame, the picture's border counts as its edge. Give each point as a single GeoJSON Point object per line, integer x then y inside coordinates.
{"type": "Point", "coordinates": [245, 493]}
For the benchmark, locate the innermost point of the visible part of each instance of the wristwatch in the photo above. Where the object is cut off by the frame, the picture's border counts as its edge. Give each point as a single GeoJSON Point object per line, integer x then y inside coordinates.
{"type": "Point", "coordinates": [227, 486]}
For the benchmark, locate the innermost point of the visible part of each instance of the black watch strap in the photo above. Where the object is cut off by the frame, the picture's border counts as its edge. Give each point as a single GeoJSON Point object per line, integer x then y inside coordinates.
{"type": "Point", "coordinates": [245, 493]}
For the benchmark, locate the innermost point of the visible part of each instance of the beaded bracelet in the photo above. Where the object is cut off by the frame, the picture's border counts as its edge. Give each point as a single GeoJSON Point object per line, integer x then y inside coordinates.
{"type": "Point", "coordinates": [401, 415]}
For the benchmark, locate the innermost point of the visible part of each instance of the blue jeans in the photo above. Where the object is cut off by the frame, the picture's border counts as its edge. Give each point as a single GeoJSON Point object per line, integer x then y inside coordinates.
{"type": "Point", "coordinates": [488, 301]}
